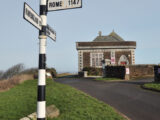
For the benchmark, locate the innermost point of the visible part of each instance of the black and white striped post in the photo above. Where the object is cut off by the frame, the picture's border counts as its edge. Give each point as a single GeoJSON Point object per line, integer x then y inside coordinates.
{"type": "Point", "coordinates": [41, 102]}
{"type": "Point", "coordinates": [40, 22]}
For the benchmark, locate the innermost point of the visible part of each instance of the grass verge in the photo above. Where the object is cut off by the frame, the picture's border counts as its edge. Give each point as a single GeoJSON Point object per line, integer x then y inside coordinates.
{"type": "Point", "coordinates": [153, 86]}
{"type": "Point", "coordinates": [108, 79]}
{"type": "Point", "coordinates": [20, 101]}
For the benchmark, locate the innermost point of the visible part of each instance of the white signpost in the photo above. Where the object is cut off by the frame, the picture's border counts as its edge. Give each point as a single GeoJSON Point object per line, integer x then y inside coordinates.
{"type": "Point", "coordinates": [45, 30]}
{"type": "Point", "coordinates": [31, 16]}
{"type": "Point", "coordinates": [51, 33]}
{"type": "Point", "coordinates": [54, 5]}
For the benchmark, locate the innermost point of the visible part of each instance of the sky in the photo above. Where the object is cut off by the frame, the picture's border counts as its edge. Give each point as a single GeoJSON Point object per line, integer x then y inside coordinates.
{"type": "Point", "coordinates": [133, 20]}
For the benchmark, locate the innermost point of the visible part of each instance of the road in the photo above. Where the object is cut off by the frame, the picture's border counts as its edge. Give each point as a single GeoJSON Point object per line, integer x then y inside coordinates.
{"type": "Point", "coordinates": [127, 97]}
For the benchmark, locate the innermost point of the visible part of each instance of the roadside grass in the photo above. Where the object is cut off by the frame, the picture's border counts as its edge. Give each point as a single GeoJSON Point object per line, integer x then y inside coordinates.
{"type": "Point", "coordinates": [20, 101]}
{"type": "Point", "coordinates": [155, 86]}
{"type": "Point", "coordinates": [108, 79]}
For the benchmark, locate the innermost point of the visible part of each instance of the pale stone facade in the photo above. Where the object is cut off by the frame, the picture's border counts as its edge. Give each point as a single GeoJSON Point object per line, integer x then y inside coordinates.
{"type": "Point", "coordinates": [112, 48]}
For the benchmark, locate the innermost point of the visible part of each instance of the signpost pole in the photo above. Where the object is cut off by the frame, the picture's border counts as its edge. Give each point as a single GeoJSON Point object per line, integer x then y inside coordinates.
{"type": "Point", "coordinates": [40, 22]}
{"type": "Point", "coordinates": [41, 102]}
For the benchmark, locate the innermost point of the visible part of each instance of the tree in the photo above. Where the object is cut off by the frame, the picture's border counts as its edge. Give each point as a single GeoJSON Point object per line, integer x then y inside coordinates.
{"type": "Point", "coordinates": [1, 74]}
{"type": "Point", "coordinates": [16, 69]}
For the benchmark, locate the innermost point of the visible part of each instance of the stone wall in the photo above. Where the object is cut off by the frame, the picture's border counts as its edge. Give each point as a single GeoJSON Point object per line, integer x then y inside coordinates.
{"type": "Point", "coordinates": [140, 71]}
{"type": "Point", "coordinates": [130, 71]}
{"type": "Point", "coordinates": [126, 53]}
{"type": "Point", "coordinates": [107, 55]}
{"type": "Point", "coordinates": [86, 59]}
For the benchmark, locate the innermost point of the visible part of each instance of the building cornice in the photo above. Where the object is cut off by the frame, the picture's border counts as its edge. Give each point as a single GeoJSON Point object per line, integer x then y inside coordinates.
{"type": "Point", "coordinates": [105, 47]}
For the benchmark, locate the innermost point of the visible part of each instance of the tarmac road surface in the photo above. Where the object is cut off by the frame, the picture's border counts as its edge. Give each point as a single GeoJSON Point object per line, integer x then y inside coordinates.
{"type": "Point", "coordinates": [127, 97]}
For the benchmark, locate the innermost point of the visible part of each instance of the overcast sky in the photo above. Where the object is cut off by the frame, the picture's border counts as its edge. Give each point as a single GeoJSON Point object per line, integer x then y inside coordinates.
{"type": "Point", "coordinates": [133, 20]}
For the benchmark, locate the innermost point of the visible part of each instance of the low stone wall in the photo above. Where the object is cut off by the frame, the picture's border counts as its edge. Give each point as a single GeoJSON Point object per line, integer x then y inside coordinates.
{"type": "Point", "coordinates": [157, 73]}
{"type": "Point", "coordinates": [141, 71]}
{"type": "Point", "coordinates": [130, 71]}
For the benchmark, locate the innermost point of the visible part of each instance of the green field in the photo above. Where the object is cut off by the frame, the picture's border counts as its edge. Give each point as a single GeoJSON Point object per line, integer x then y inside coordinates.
{"type": "Point", "coordinates": [20, 101]}
{"type": "Point", "coordinates": [155, 86]}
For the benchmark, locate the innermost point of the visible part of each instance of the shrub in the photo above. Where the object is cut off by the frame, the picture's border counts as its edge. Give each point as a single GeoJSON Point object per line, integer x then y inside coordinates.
{"type": "Point", "coordinates": [11, 82]}
{"type": "Point", "coordinates": [32, 71]}
{"type": "Point", "coordinates": [52, 71]}
{"type": "Point", "coordinates": [1, 74]}
{"type": "Point", "coordinates": [115, 71]}
{"type": "Point", "coordinates": [93, 71]}
{"type": "Point", "coordinates": [16, 69]}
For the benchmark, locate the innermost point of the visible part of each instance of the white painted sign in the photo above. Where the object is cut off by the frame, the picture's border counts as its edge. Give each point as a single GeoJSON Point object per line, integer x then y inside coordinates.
{"type": "Point", "coordinates": [63, 4]}
{"type": "Point", "coordinates": [51, 33]}
{"type": "Point", "coordinates": [31, 16]}
{"type": "Point", "coordinates": [127, 71]}
{"type": "Point", "coordinates": [113, 57]}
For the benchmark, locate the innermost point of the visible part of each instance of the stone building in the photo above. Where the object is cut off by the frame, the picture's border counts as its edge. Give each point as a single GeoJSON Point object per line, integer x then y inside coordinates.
{"type": "Point", "coordinates": [112, 48]}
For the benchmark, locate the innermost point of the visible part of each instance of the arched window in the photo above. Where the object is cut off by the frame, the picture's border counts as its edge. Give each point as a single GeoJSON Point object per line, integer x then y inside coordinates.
{"type": "Point", "coordinates": [123, 60]}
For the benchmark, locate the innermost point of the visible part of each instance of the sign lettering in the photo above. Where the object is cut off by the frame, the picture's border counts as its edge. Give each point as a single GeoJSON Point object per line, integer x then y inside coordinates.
{"type": "Point", "coordinates": [31, 16]}
{"type": "Point", "coordinates": [127, 71]}
{"type": "Point", "coordinates": [112, 57]}
{"type": "Point", "coordinates": [51, 33]}
{"type": "Point", "coordinates": [55, 4]}
{"type": "Point", "coordinates": [63, 4]}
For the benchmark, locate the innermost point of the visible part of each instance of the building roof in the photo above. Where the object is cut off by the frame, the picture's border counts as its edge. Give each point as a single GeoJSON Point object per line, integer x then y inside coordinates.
{"type": "Point", "coordinates": [112, 41]}
{"type": "Point", "coordinates": [112, 37]}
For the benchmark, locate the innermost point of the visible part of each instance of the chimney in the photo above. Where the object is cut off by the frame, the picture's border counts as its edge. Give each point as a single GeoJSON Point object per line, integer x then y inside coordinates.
{"type": "Point", "coordinates": [100, 33]}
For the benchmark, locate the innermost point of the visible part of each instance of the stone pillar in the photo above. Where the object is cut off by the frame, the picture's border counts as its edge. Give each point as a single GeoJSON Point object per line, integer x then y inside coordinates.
{"type": "Point", "coordinates": [127, 73]}
{"type": "Point", "coordinates": [85, 73]}
{"type": "Point", "coordinates": [80, 60]}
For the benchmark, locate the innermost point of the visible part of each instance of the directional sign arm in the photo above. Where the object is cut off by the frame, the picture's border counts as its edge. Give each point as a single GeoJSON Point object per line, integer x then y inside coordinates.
{"type": "Point", "coordinates": [54, 5]}
{"type": "Point", "coordinates": [32, 17]}
{"type": "Point", "coordinates": [51, 33]}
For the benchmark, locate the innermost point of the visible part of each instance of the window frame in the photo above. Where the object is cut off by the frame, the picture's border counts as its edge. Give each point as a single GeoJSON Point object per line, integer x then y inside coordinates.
{"type": "Point", "coordinates": [95, 59]}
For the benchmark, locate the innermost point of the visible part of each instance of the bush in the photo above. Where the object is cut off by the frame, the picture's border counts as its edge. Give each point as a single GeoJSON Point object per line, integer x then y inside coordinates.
{"type": "Point", "coordinates": [33, 71]}
{"type": "Point", "coordinates": [16, 69]}
{"type": "Point", "coordinates": [93, 71]}
{"type": "Point", "coordinates": [52, 71]}
{"type": "Point", "coordinates": [11, 82]}
{"type": "Point", "coordinates": [30, 71]}
{"type": "Point", "coordinates": [156, 73]}
{"type": "Point", "coordinates": [115, 72]}
{"type": "Point", "coordinates": [1, 74]}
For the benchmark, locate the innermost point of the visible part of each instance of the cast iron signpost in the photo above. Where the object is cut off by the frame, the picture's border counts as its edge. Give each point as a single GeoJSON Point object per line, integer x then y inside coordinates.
{"type": "Point", "coordinates": [32, 17]}
{"type": "Point", "coordinates": [45, 30]}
